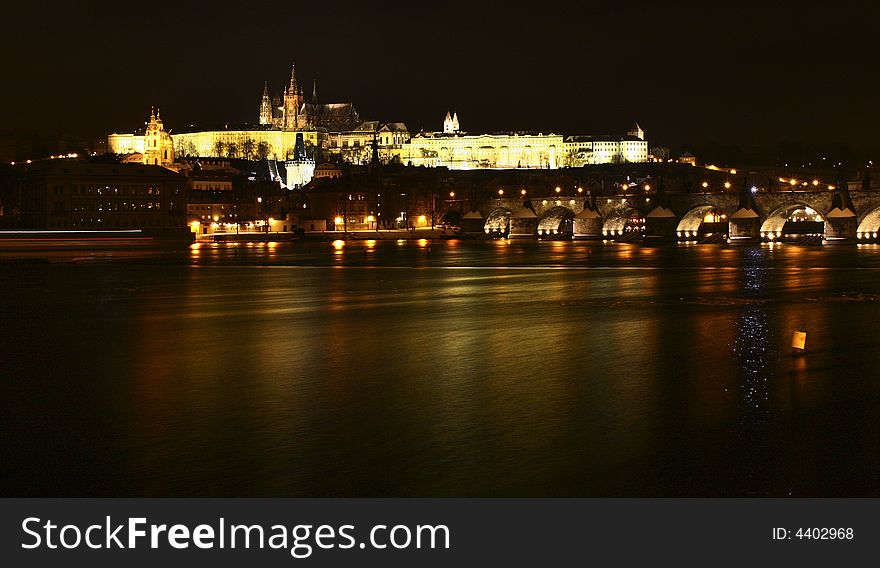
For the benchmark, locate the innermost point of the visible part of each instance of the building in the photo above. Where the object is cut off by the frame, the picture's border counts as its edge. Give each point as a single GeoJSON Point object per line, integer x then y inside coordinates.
{"type": "Point", "coordinates": [301, 168]}
{"type": "Point", "coordinates": [459, 150]}
{"type": "Point", "coordinates": [155, 145]}
{"type": "Point", "coordinates": [334, 132]}
{"type": "Point", "coordinates": [356, 146]}
{"type": "Point", "coordinates": [158, 144]}
{"type": "Point", "coordinates": [281, 118]}
{"type": "Point", "coordinates": [74, 195]}
{"type": "Point", "coordinates": [290, 111]}
{"type": "Point", "coordinates": [130, 143]}
{"type": "Point", "coordinates": [327, 170]}
{"type": "Point", "coordinates": [687, 158]}
{"type": "Point", "coordinates": [585, 150]}
{"type": "Point", "coordinates": [251, 205]}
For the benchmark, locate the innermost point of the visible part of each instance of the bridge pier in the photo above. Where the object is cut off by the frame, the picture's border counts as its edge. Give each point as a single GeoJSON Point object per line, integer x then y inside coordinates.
{"type": "Point", "coordinates": [744, 224]}
{"type": "Point", "coordinates": [660, 224]}
{"type": "Point", "coordinates": [588, 225]}
{"type": "Point", "coordinates": [523, 227]}
{"type": "Point", "coordinates": [841, 228]}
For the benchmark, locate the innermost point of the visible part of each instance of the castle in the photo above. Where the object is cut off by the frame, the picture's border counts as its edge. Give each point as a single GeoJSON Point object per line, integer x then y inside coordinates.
{"type": "Point", "coordinates": [290, 111]}
{"type": "Point", "coordinates": [293, 130]}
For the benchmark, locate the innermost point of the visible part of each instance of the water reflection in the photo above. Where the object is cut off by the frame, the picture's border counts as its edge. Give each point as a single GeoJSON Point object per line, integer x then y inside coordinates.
{"type": "Point", "coordinates": [488, 368]}
{"type": "Point", "coordinates": [752, 345]}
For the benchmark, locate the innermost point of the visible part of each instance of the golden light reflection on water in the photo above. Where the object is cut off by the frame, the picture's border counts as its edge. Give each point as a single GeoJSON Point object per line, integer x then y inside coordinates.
{"type": "Point", "coordinates": [481, 376]}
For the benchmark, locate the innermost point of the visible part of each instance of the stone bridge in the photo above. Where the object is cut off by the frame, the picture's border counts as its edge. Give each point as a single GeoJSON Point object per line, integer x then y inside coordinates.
{"type": "Point", "coordinates": [686, 216]}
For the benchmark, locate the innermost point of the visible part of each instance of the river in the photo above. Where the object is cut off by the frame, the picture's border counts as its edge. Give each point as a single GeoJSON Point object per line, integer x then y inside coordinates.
{"type": "Point", "coordinates": [441, 368]}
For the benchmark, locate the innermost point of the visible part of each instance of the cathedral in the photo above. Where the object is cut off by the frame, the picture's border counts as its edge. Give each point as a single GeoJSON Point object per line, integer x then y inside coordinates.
{"type": "Point", "coordinates": [290, 111]}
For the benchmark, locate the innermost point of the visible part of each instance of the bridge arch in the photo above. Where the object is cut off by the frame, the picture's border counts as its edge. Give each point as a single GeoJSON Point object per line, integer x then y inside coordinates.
{"type": "Point", "coordinates": [702, 218]}
{"type": "Point", "coordinates": [622, 220]}
{"type": "Point", "coordinates": [775, 222]}
{"type": "Point", "coordinates": [556, 222]}
{"type": "Point", "coordinates": [869, 226]}
{"type": "Point", "coordinates": [498, 221]}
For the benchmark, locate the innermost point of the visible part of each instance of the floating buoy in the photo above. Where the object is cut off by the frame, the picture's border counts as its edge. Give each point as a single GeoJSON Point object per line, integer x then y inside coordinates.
{"type": "Point", "coordinates": [799, 341]}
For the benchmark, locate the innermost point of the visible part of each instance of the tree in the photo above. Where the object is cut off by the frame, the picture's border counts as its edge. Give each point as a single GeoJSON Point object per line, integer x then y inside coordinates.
{"type": "Point", "coordinates": [247, 148]}
{"type": "Point", "coordinates": [262, 149]}
{"type": "Point", "coordinates": [218, 148]}
{"type": "Point", "coordinates": [232, 150]}
{"type": "Point", "coordinates": [184, 149]}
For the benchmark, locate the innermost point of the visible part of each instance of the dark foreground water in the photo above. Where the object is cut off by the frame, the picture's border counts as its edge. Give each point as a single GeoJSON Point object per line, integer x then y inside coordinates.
{"type": "Point", "coordinates": [445, 368]}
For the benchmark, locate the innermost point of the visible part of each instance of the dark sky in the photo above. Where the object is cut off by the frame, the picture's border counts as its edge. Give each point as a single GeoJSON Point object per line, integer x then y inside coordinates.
{"type": "Point", "coordinates": [689, 72]}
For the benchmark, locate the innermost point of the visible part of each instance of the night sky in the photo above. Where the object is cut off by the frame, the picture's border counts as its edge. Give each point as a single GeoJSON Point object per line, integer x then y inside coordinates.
{"type": "Point", "coordinates": [738, 73]}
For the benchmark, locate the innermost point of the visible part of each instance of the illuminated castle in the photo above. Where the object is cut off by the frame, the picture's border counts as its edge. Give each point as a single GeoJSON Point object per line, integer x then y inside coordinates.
{"type": "Point", "coordinates": [290, 111]}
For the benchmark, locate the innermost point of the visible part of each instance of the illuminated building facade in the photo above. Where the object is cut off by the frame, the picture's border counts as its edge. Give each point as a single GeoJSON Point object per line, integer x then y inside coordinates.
{"type": "Point", "coordinates": [356, 146]}
{"type": "Point", "coordinates": [458, 150]}
{"type": "Point", "coordinates": [156, 146]}
{"type": "Point", "coordinates": [334, 131]}
{"type": "Point", "coordinates": [584, 150]}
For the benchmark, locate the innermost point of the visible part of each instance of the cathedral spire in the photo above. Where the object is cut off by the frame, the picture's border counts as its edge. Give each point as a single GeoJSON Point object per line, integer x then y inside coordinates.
{"type": "Point", "coordinates": [293, 86]}
{"type": "Point", "coordinates": [314, 91]}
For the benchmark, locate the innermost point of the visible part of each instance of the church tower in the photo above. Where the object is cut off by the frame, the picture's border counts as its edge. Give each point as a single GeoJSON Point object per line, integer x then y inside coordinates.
{"type": "Point", "coordinates": [636, 131]}
{"type": "Point", "coordinates": [292, 101]}
{"type": "Point", "coordinates": [158, 145]}
{"type": "Point", "coordinates": [266, 106]}
{"type": "Point", "coordinates": [450, 123]}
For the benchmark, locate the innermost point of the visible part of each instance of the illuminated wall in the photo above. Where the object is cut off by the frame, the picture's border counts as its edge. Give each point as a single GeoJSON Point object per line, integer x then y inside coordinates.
{"type": "Point", "coordinates": [279, 143]}
{"type": "Point", "coordinates": [585, 150]}
{"type": "Point", "coordinates": [125, 143]}
{"type": "Point", "coordinates": [498, 151]}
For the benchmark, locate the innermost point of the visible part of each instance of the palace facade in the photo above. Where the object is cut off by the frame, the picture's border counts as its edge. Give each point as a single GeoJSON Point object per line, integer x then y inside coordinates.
{"type": "Point", "coordinates": [334, 131]}
{"type": "Point", "coordinates": [457, 150]}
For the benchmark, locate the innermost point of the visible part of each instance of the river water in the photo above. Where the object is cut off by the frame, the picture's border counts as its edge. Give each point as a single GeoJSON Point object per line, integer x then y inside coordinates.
{"type": "Point", "coordinates": [450, 368]}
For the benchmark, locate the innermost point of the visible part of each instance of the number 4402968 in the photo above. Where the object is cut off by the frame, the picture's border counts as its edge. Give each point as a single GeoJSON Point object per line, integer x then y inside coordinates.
{"type": "Point", "coordinates": [823, 534]}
